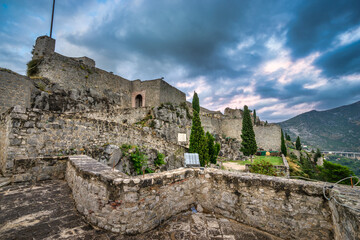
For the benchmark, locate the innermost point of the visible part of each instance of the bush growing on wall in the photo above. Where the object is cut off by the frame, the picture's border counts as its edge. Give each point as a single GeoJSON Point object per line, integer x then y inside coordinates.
{"type": "Point", "coordinates": [159, 160]}
{"type": "Point", "coordinates": [32, 67]}
{"type": "Point", "coordinates": [139, 161]}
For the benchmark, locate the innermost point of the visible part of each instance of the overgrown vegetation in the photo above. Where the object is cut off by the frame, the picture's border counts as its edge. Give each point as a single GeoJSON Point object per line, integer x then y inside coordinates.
{"type": "Point", "coordinates": [145, 120]}
{"type": "Point", "coordinates": [333, 172]}
{"type": "Point", "coordinates": [32, 67]}
{"type": "Point", "coordinates": [329, 172]}
{"type": "Point", "coordinates": [263, 167]}
{"type": "Point", "coordinates": [139, 161]}
{"type": "Point", "coordinates": [159, 160]}
{"type": "Point", "coordinates": [352, 164]}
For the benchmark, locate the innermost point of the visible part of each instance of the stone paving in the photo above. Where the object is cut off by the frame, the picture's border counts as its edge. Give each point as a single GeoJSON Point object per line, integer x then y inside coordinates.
{"type": "Point", "coordinates": [45, 210]}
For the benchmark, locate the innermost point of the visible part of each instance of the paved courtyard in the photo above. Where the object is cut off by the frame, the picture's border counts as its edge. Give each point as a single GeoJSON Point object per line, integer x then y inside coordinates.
{"type": "Point", "coordinates": [45, 210]}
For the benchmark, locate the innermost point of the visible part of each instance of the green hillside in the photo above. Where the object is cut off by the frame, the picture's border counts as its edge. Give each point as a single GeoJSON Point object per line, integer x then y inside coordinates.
{"type": "Point", "coordinates": [336, 129]}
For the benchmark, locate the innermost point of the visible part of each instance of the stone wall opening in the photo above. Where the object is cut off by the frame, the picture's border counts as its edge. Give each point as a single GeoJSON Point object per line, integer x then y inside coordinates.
{"type": "Point", "coordinates": [138, 101]}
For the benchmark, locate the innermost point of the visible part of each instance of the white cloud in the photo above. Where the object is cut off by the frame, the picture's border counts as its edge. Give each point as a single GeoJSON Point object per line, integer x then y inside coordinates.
{"type": "Point", "coordinates": [348, 37]}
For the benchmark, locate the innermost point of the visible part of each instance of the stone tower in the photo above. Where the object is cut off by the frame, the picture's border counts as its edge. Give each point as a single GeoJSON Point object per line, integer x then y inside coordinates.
{"type": "Point", "coordinates": [44, 46]}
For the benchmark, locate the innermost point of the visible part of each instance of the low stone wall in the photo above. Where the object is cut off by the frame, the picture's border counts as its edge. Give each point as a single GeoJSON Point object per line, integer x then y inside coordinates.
{"type": "Point", "coordinates": [290, 209]}
{"type": "Point", "coordinates": [38, 169]}
{"type": "Point", "coordinates": [286, 165]}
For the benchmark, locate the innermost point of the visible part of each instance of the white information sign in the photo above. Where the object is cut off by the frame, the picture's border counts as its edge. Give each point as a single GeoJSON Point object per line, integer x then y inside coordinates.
{"type": "Point", "coordinates": [181, 137]}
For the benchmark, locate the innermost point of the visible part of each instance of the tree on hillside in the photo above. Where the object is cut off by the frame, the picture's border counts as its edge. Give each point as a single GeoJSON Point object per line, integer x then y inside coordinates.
{"type": "Point", "coordinates": [283, 146]}
{"type": "Point", "coordinates": [287, 137]}
{"type": "Point", "coordinates": [198, 143]}
{"type": "Point", "coordinates": [248, 143]}
{"type": "Point", "coordinates": [298, 143]}
{"type": "Point", "coordinates": [317, 155]}
{"type": "Point", "coordinates": [254, 115]}
{"type": "Point", "coordinates": [213, 147]}
{"type": "Point", "coordinates": [333, 172]}
{"type": "Point", "coordinates": [196, 102]}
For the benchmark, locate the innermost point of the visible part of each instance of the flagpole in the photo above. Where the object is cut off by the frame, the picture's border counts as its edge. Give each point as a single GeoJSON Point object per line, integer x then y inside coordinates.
{"type": "Point", "coordinates": [52, 18]}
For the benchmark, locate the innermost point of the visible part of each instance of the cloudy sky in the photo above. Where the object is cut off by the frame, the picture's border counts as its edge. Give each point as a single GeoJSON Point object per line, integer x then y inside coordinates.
{"type": "Point", "coordinates": [281, 58]}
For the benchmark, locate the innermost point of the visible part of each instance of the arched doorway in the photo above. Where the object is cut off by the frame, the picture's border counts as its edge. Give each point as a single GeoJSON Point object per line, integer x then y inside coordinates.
{"type": "Point", "coordinates": [138, 101]}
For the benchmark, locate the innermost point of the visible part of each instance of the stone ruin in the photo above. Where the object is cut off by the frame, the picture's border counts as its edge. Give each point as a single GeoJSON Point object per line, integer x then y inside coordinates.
{"type": "Point", "coordinates": [70, 107]}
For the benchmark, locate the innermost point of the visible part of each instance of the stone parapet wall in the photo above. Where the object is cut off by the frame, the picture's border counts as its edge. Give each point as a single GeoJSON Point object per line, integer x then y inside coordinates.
{"type": "Point", "coordinates": [38, 169]}
{"type": "Point", "coordinates": [290, 209]}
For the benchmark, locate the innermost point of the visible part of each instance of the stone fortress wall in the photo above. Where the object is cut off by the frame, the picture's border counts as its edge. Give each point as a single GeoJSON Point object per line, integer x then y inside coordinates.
{"type": "Point", "coordinates": [30, 133]}
{"type": "Point", "coordinates": [290, 209]}
{"type": "Point", "coordinates": [15, 89]}
{"type": "Point", "coordinates": [81, 73]}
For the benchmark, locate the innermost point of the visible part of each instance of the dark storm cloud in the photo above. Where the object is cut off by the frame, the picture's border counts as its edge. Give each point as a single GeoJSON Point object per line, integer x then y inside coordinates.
{"type": "Point", "coordinates": [317, 23]}
{"type": "Point", "coordinates": [294, 91]}
{"type": "Point", "coordinates": [220, 48]}
{"type": "Point", "coordinates": [194, 35]}
{"type": "Point", "coordinates": [341, 61]}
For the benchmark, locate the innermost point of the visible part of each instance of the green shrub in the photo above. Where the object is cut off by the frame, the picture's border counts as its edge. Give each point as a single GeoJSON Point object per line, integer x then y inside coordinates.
{"type": "Point", "coordinates": [333, 172]}
{"type": "Point", "coordinates": [139, 161]}
{"type": "Point", "coordinates": [125, 147]}
{"type": "Point", "coordinates": [159, 160]}
{"type": "Point", "coordinates": [263, 167]}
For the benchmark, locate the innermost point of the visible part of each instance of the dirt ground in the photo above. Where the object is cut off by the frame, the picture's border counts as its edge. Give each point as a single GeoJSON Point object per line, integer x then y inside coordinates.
{"type": "Point", "coordinates": [233, 166]}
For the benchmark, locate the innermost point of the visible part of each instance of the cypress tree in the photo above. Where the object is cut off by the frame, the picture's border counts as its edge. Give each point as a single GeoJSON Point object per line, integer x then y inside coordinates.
{"type": "Point", "coordinates": [196, 102]}
{"type": "Point", "coordinates": [198, 142]}
{"type": "Point", "coordinates": [254, 115]}
{"type": "Point", "coordinates": [298, 143]}
{"type": "Point", "coordinates": [287, 137]}
{"type": "Point", "coordinates": [248, 143]}
{"type": "Point", "coordinates": [283, 146]}
{"type": "Point", "coordinates": [213, 147]}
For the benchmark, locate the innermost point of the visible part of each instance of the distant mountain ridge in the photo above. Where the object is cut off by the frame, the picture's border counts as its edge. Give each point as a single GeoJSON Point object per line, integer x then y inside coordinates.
{"type": "Point", "coordinates": [336, 129]}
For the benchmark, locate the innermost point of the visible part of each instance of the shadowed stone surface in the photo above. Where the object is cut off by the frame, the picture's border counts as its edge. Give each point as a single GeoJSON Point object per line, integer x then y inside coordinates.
{"type": "Point", "coordinates": [45, 210]}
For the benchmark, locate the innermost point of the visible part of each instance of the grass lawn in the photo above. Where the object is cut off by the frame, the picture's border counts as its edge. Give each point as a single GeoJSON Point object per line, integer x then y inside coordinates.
{"type": "Point", "coordinates": [271, 159]}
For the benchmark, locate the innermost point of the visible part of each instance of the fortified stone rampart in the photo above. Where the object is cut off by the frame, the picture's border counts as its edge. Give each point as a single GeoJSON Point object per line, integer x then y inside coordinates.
{"type": "Point", "coordinates": [33, 133]}
{"type": "Point", "coordinates": [290, 209]}
{"type": "Point", "coordinates": [15, 89]}
{"type": "Point", "coordinates": [70, 73]}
